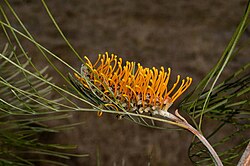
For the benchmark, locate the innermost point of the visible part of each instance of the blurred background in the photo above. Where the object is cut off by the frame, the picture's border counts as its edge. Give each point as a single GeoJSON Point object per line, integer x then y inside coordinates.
{"type": "Point", "coordinates": [188, 36]}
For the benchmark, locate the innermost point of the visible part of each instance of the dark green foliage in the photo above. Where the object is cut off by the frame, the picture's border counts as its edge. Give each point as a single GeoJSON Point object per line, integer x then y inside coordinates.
{"type": "Point", "coordinates": [226, 104]}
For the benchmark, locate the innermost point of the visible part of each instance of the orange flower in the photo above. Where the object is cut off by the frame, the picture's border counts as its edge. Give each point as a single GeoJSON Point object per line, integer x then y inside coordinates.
{"type": "Point", "coordinates": [135, 87]}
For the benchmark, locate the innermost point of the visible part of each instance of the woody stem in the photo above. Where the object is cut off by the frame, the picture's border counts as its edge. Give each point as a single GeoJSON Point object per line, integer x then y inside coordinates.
{"type": "Point", "coordinates": [205, 143]}
{"type": "Point", "coordinates": [181, 122]}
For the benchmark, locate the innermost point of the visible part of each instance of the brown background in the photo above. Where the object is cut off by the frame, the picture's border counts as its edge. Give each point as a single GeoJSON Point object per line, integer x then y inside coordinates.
{"type": "Point", "coordinates": [188, 36]}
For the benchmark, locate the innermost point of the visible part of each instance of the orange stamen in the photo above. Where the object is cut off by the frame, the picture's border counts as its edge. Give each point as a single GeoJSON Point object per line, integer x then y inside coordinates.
{"type": "Point", "coordinates": [132, 83]}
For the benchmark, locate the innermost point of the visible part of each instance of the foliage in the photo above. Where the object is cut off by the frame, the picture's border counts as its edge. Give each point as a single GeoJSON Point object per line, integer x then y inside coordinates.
{"type": "Point", "coordinates": [26, 108]}
{"type": "Point", "coordinates": [26, 105]}
{"type": "Point", "coordinates": [226, 103]}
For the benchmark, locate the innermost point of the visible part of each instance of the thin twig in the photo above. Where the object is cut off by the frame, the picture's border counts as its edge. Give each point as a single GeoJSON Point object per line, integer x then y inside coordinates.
{"type": "Point", "coordinates": [205, 143]}
{"type": "Point", "coordinates": [184, 124]}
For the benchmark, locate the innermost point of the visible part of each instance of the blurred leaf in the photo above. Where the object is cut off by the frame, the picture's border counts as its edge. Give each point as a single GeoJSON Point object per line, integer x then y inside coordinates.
{"type": "Point", "coordinates": [22, 100]}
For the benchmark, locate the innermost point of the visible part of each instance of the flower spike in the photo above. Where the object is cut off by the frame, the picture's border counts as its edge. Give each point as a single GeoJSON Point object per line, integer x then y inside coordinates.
{"type": "Point", "coordinates": [132, 86]}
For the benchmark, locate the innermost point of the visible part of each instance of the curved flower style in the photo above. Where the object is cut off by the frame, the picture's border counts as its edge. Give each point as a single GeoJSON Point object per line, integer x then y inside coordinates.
{"type": "Point", "coordinates": [134, 87]}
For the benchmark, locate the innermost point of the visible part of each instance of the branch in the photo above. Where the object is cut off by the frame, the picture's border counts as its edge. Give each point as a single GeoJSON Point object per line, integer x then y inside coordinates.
{"type": "Point", "coordinates": [184, 124]}
{"type": "Point", "coordinates": [245, 158]}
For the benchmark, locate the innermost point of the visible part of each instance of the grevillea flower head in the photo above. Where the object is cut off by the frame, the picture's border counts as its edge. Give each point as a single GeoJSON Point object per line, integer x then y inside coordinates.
{"type": "Point", "coordinates": [130, 85]}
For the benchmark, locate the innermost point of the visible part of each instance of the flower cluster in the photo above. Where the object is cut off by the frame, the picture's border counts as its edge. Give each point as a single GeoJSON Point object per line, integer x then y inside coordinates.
{"type": "Point", "coordinates": [135, 87]}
